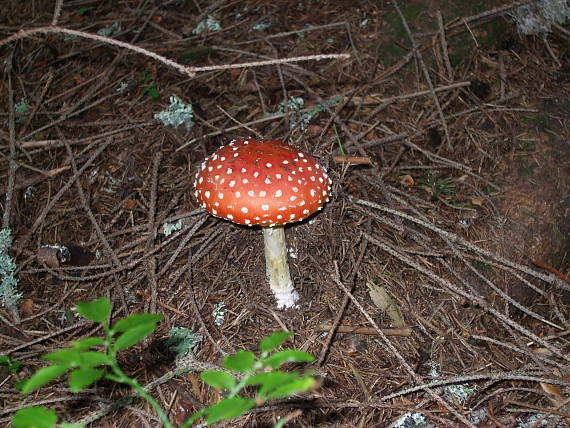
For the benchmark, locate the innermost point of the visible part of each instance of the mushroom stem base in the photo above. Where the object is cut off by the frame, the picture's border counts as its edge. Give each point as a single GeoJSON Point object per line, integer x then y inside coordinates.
{"type": "Point", "coordinates": [277, 267]}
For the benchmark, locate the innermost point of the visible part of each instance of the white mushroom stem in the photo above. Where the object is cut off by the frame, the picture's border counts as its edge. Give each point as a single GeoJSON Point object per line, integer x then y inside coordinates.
{"type": "Point", "coordinates": [277, 267]}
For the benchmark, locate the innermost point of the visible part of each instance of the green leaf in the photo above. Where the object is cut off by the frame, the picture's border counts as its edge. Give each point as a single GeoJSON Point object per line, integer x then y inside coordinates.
{"type": "Point", "coordinates": [83, 10]}
{"type": "Point", "coordinates": [135, 320]}
{"type": "Point", "coordinates": [41, 377]}
{"type": "Point", "coordinates": [274, 340]}
{"type": "Point", "coordinates": [13, 366]}
{"type": "Point", "coordinates": [88, 342]}
{"type": "Point", "coordinates": [81, 378]}
{"type": "Point", "coordinates": [288, 356]}
{"type": "Point", "coordinates": [93, 359]}
{"type": "Point", "coordinates": [270, 381]}
{"type": "Point", "coordinates": [134, 335]}
{"type": "Point", "coordinates": [188, 422]}
{"type": "Point", "coordinates": [64, 357]}
{"type": "Point", "coordinates": [34, 417]}
{"type": "Point", "coordinates": [152, 92]}
{"type": "Point", "coordinates": [98, 310]}
{"type": "Point", "coordinates": [218, 379]}
{"type": "Point", "coordinates": [294, 387]}
{"type": "Point", "coordinates": [241, 362]}
{"type": "Point", "coordinates": [228, 409]}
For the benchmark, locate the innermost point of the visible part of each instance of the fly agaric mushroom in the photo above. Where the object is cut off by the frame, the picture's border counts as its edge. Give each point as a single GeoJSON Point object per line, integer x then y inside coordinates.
{"type": "Point", "coordinates": [265, 183]}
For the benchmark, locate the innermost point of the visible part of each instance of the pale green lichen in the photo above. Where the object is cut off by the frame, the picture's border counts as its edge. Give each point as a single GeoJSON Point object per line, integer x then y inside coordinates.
{"type": "Point", "coordinates": [538, 18]}
{"type": "Point", "coordinates": [177, 114]}
{"type": "Point", "coordinates": [182, 340]}
{"type": "Point", "coordinates": [210, 24]}
{"type": "Point", "coordinates": [219, 313]}
{"type": "Point", "coordinates": [9, 295]}
{"type": "Point", "coordinates": [169, 228]}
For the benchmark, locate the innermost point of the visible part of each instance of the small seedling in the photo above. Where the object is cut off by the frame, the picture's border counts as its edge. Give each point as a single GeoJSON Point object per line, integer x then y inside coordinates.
{"type": "Point", "coordinates": [149, 87]}
{"type": "Point", "coordinates": [94, 358]}
{"type": "Point", "coordinates": [13, 366]}
{"type": "Point", "coordinates": [437, 186]}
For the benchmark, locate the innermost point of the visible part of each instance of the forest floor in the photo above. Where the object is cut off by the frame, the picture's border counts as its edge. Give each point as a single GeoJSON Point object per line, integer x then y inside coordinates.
{"type": "Point", "coordinates": [455, 206]}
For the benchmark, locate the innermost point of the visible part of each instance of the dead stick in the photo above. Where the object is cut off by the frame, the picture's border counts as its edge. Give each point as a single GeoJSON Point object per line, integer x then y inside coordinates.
{"type": "Point", "coordinates": [354, 160]}
{"type": "Point", "coordinates": [403, 331]}
{"type": "Point", "coordinates": [159, 303]}
{"type": "Point", "coordinates": [551, 270]}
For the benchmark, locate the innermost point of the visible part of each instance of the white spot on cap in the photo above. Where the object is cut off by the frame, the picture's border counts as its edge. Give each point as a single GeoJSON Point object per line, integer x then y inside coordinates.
{"type": "Point", "coordinates": [220, 195]}
{"type": "Point", "coordinates": [309, 168]}
{"type": "Point", "coordinates": [292, 198]}
{"type": "Point", "coordinates": [295, 189]}
{"type": "Point", "coordinates": [246, 221]}
{"type": "Point", "coordinates": [265, 207]}
{"type": "Point", "coordinates": [244, 210]}
{"type": "Point", "coordinates": [216, 177]}
{"type": "Point", "coordinates": [222, 181]}
{"type": "Point", "coordinates": [305, 160]}
{"type": "Point", "coordinates": [238, 194]}
{"type": "Point", "coordinates": [200, 180]}
{"type": "Point", "coordinates": [262, 193]}
{"type": "Point", "coordinates": [267, 181]}
{"type": "Point", "coordinates": [279, 217]}
{"type": "Point", "coordinates": [219, 166]}
{"type": "Point", "coordinates": [313, 192]}
{"type": "Point", "coordinates": [257, 218]}
{"type": "Point", "coordinates": [203, 205]}
{"type": "Point", "coordinates": [229, 171]}
{"type": "Point", "coordinates": [246, 142]}
{"type": "Point", "coordinates": [210, 168]}
{"type": "Point", "coordinates": [236, 155]}
{"type": "Point", "coordinates": [244, 170]}
{"type": "Point", "coordinates": [230, 217]}
{"type": "Point", "coordinates": [305, 211]}
{"type": "Point", "coordinates": [268, 165]}
{"type": "Point", "coordinates": [278, 176]}
{"type": "Point", "coordinates": [255, 174]}
{"type": "Point", "coordinates": [285, 162]}
{"type": "Point", "coordinates": [289, 178]}
{"type": "Point", "coordinates": [223, 159]}
{"type": "Point", "coordinates": [321, 179]}
{"type": "Point", "coordinates": [214, 211]}
{"type": "Point", "coordinates": [207, 194]}
{"type": "Point", "coordinates": [245, 181]}
{"type": "Point", "coordinates": [292, 216]}
{"type": "Point", "coordinates": [278, 193]}
{"type": "Point", "coordinates": [324, 193]}
{"type": "Point", "coordinates": [250, 193]}
{"type": "Point", "coordinates": [301, 203]}
{"type": "Point", "coordinates": [232, 183]}
{"type": "Point", "coordinates": [312, 177]}
{"type": "Point", "coordinates": [216, 204]}
{"type": "Point", "coordinates": [281, 208]}
{"type": "Point", "coordinates": [301, 155]}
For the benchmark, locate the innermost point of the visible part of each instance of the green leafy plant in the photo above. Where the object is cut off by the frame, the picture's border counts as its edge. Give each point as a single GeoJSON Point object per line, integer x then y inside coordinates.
{"type": "Point", "coordinates": [438, 186]}
{"type": "Point", "coordinates": [149, 87]}
{"type": "Point", "coordinates": [13, 366]}
{"type": "Point", "coordinates": [94, 358]}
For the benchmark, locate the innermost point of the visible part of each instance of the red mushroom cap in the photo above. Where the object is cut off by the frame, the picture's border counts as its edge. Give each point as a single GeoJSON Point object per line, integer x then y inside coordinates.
{"type": "Point", "coordinates": [267, 183]}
